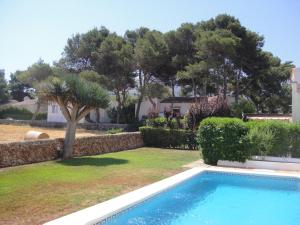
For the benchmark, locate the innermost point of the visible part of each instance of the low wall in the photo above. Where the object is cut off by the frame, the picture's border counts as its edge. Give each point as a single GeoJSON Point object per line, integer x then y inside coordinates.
{"type": "Point", "coordinates": [258, 164]}
{"type": "Point", "coordinates": [25, 152]}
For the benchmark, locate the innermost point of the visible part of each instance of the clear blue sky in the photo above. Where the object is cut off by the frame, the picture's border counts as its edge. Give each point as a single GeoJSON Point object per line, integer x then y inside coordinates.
{"type": "Point", "coordinates": [33, 29]}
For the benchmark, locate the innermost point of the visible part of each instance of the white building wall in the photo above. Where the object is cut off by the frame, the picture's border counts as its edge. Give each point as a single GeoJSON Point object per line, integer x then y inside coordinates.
{"type": "Point", "coordinates": [146, 107]}
{"type": "Point", "coordinates": [103, 116]}
{"type": "Point", "coordinates": [296, 95]}
{"type": "Point", "coordinates": [184, 107]}
{"type": "Point", "coordinates": [54, 114]}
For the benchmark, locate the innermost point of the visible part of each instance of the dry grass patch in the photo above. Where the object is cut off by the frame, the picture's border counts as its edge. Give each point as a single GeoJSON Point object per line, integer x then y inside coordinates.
{"type": "Point", "coordinates": [17, 133]}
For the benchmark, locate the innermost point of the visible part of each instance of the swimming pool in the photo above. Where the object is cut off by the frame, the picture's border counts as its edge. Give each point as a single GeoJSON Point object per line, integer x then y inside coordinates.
{"type": "Point", "coordinates": [217, 198]}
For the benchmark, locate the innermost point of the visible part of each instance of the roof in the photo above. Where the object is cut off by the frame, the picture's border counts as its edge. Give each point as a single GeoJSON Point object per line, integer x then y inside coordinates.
{"type": "Point", "coordinates": [181, 99]}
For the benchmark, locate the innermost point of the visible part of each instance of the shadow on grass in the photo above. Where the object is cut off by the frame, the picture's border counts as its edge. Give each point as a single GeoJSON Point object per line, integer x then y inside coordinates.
{"type": "Point", "coordinates": [92, 161]}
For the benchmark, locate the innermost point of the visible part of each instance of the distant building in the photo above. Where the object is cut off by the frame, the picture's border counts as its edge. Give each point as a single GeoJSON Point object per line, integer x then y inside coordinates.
{"type": "Point", "coordinates": [295, 81]}
{"type": "Point", "coordinates": [55, 115]}
{"type": "Point", "coordinates": [175, 105]}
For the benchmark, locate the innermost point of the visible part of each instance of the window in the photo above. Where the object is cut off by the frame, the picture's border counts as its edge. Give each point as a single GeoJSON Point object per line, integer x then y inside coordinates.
{"type": "Point", "coordinates": [176, 111]}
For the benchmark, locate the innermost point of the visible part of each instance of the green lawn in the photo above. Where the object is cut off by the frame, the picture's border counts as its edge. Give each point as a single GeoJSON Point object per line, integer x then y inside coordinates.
{"type": "Point", "coordinates": [37, 193]}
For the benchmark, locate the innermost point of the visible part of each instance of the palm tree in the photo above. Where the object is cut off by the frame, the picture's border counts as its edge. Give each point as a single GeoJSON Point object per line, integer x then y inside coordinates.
{"type": "Point", "coordinates": [76, 97]}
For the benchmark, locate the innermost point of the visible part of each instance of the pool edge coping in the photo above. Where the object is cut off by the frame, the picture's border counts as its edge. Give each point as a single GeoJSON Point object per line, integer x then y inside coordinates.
{"type": "Point", "coordinates": [99, 212]}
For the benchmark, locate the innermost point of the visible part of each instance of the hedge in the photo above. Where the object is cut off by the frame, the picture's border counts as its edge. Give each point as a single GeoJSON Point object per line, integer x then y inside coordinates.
{"type": "Point", "coordinates": [273, 133]}
{"type": "Point", "coordinates": [168, 138]}
{"type": "Point", "coordinates": [235, 140]}
{"type": "Point", "coordinates": [223, 138]}
{"type": "Point", "coordinates": [20, 114]}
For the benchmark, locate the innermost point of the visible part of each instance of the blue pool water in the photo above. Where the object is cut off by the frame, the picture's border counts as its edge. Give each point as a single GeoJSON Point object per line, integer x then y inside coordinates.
{"type": "Point", "coordinates": [212, 198]}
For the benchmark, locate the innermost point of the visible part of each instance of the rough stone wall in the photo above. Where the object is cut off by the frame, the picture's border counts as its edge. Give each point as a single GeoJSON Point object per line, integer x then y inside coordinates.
{"type": "Point", "coordinates": [25, 152]}
{"type": "Point", "coordinates": [107, 143]}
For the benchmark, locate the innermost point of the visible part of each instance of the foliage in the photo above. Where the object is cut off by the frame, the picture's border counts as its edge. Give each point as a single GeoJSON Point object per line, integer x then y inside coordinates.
{"type": "Point", "coordinates": [18, 90]}
{"type": "Point", "coordinates": [157, 122]}
{"type": "Point", "coordinates": [276, 136]}
{"type": "Point", "coordinates": [206, 107]}
{"type": "Point", "coordinates": [168, 138]}
{"type": "Point", "coordinates": [243, 106]}
{"type": "Point", "coordinates": [294, 138]}
{"type": "Point", "coordinates": [76, 98]}
{"type": "Point", "coordinates": [209, 58]}
{"type": "Point", "coordinates": [262, 143]}
{"type": "Point", "coordinates": [36, 73]}
{"type": "Point", "coordinates": [126, 114]}
{"type": "Point", "coordinates": [224, 139]}
{"type": "Point", "coordinates": [3, 88]}
{"type": "Point", "coordinates": [19, 114]}
{"type": "Point", "coordinates": [114, 131]}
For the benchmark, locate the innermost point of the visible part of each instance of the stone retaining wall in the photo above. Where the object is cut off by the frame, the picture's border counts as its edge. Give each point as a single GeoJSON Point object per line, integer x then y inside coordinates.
{"type": "Point", "coordinates": [25, 152]}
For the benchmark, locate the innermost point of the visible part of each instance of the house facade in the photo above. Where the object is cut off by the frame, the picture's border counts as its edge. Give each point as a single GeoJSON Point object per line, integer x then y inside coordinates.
{"type": "Point", "coordinates": [295, 81]}
{"type": "Point", "coordinates": [54, 114]}
{"type": "Point", "coordinates": [174, 105]}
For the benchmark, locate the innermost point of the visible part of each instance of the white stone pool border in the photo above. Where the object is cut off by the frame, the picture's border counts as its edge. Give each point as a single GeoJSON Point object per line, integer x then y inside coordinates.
{"type": "Point", "coordinates": [99, 212]}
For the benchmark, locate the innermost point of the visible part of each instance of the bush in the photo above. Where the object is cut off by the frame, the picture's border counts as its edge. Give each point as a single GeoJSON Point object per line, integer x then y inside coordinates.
{"type": "Point", "coordinates": [168, 138]}
{"type": "Point", "coordinates": [126, 114]}
{"type": "Point", "coordinates": [275, 134]}
{"type": "Point", "coordinates": [207, 107]}
{"type": "Point", "coordinates": [244, 106]}
{"type": "Point", "coordinates": [114, 131]}
{"type": "Point", "coordinates": [262, 143]}
{"type": "Point", "coordinates": [15, 113]}
{"type": "Point", "coordinates": [20, 114]}
{"type": "Point", "coordinates": [294, 138]}
{"type": "Point", "coordinates": [157, 122]}
{"type": "Point", "coordinates": [223, 138]}
{"type": "Point", "coordinates": [41, 116]}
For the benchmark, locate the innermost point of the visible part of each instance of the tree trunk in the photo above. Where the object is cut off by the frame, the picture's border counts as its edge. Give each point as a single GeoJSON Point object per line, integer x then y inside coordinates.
{"type": "Point", "coordinates": [225, 87]}
{"type": "Point", "coordinates": [38, 107]}
{"type": "Point", "coordinates": [118, 114]}
{"type": "Point", "coordinates": [97, 115]}
{"type": "Point", "coordinates": [237, 86]}
{"type": "Point", "coordinates": [69, 139]}
{"type": "Point", "coordinates": [138, 107]}
{"type": "Point", "coordinates": [118, 99]}
{"type": "Point", "coordinates": [153, 103]}
{"type": "Point", "coordinates": [173, 88]}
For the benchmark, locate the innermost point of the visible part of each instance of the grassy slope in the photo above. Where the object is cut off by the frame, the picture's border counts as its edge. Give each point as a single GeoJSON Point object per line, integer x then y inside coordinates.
{"type": "Point", "coordinates": [37, 193]}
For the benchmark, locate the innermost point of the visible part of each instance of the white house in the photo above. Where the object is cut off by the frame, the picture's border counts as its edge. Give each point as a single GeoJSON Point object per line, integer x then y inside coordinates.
{"type": "Point", "coordinates": [55, 115]}
{"type": "Point", "coordinates": [174, 104]}
{"type": "Point", "coordinates": [295, 81]}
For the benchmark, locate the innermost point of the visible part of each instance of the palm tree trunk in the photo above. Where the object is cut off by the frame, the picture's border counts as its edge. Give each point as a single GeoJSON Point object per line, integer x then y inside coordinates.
{"type": "Point", "coordinates": [69, 139]}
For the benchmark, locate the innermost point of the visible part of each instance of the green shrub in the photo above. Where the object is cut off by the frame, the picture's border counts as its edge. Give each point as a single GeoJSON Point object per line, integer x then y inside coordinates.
{"type": "Point", "coordinates": [157, 122]}
{"type": "Point", "coordinates": [168, 138]}
{"type": "Point", "coordinates": [20, 114]}
{"type": "Point", "coordinates": [244, 106]}
{"type": "Point", "coordinates": [41, 116]}
{"type": "Point", "coordinates": [15, 113]}
{"type": "Point", "coordinates": [223, 138]}
{"type": "Point", "coordinates": [278, 142]}
{"type": "Point", "coordinates": [294, 138]}
{"type": "Point", "coordinates": [126, 114]}
{"type": "Point", "coordinates": [114, 131]}
{"type": "Point", "coordinates": [262, 143]}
